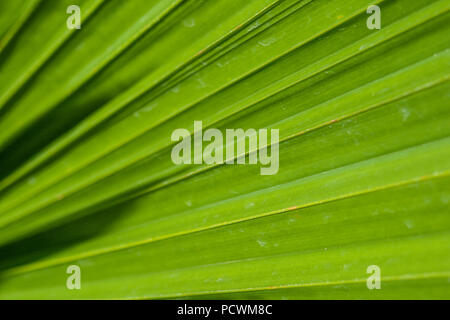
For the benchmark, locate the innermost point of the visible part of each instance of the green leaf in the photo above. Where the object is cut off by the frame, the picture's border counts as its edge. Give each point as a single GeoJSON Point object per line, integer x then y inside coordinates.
{"type": "Point", "coordinates": [87, 178]}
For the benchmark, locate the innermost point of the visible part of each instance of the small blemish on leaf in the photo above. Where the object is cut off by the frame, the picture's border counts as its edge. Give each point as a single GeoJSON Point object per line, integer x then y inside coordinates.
{"type": "Point", "coordinates": [261, 243]}
{"type": "Point", "coordinates": [189, 23]}
{"type": "Point", "coordinates": [267, 42]}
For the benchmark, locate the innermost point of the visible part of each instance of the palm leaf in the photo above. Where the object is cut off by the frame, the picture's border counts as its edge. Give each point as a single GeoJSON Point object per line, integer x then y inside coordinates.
{"type": "Point", "coordinates": [86, 176]}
